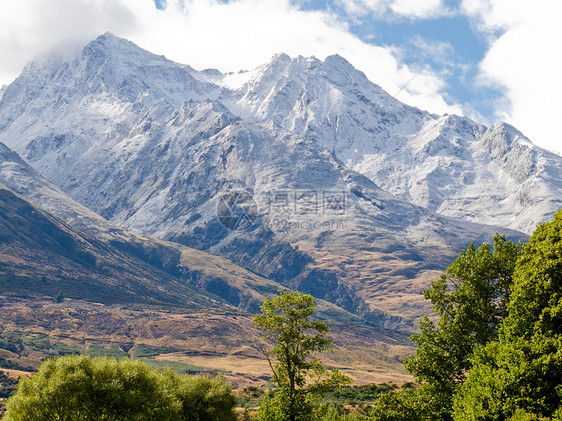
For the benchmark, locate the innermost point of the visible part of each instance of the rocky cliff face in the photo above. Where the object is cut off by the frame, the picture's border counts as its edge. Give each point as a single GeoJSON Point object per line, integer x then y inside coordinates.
{"type": "Point", "coordinates": [448, 164]}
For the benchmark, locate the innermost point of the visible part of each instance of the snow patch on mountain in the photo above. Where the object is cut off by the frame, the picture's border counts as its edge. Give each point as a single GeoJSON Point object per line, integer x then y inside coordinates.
{"type": "Point", "coordinates": [118, 105]}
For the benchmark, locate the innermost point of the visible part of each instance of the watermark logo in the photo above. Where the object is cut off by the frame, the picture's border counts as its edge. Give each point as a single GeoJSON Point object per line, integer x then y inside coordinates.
{"type": "Point", "coordinates": [290, 203]}
{"type": "Point", "coordinates": [237, 210]}
{"type": "Point", "coordinates": [285, 210]}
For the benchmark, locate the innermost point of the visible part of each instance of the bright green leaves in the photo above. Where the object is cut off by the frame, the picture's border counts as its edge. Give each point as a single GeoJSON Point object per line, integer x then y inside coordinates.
{"type": "Point", "coordinates": [77, 388]}
{"type": "Point", "coordinates": [536, 299]}
{"type": "Point", "coordinates": [201, 397]}
{"type": "Point", "coordinates": [470, 300]}
{"type": "Point", "coordinates": [287, 323]}
{"type": "Point", "coordinates": [512, 376]}
{"type": "Point", "coordinates": [519, 376]}
{"type": "Point", "coordinates": [493, 350]}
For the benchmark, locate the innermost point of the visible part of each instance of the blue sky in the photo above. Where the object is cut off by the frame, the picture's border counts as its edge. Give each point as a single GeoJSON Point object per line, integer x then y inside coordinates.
{"type": "Point", "coordinates": [490, 60]}
{"type": "Point", "coordinates": [449, 44]}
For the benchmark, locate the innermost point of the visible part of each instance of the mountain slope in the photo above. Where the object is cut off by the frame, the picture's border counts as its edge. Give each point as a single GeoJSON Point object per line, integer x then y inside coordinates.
{"type": "Point", "coordinates": [201, 271]}
{"type": "Point", "coordinates": [449, 164]}
{"type": "Point", "coordinates": [41, 254]}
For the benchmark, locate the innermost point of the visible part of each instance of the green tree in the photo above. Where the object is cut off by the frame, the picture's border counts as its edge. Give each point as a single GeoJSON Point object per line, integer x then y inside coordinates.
{"type": "Point", "coordinates": [421, 404]}
{"type": "Point", "coordinates": [520, 374]}
{"type": "Point", "coordinates": [80, 388]}
{"type": "Point", "coordinates": [201, 398]}
{"type": "Point", "coordinates": [286, 320]}
{"type": "Point", "coordinates": [76, 388]}
{"type": "Point", "coordinates": [510, 377]}
{"type": "Point", "coordinates": [469, 301]}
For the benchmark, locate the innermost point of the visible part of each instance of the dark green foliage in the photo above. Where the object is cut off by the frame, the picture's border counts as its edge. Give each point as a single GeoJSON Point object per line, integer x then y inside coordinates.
{"type": "Point", "coordinates": [142, 350]}
{"type": "Point", "coordinates": [352, 395]}
{"type": "Point", "coordinates": [520, 375]}
{"type": "Point", "coordinates": [469, 301]}
{"type": "Point", "coordinates": [44, 344]}
{"type": "Point", "coordinates": [7, 385]}
{"type": "Point", "coordinates": [253, 391]}
{"type": "Point", "coordinates": [201, 398]}
{"type": "Point", "coordinates": [251, 396]}
{"type": "Point", "coordinates": [327, 412]}
{"type": "Point", "coordinates": [102, 351]}
{"type": "Point", "coordinates": [287, 323]}
{"type": "Point", "coordinates": [79, 388]}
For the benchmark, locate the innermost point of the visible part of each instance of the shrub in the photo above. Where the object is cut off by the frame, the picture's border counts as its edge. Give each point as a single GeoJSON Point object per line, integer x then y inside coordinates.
{"type": "Point", "coordinates": [83, 388]}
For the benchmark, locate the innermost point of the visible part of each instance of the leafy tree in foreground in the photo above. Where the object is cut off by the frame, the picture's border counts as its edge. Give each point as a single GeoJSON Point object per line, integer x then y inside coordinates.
{"type": "Point", "coordinates": [201, 398]}
{"type": "Point", "coordinates": [300, 378]}
{"type": "Point", "coordinates": [469, 301]}
{"type": "Point", "coordinates": [76, 388]}
{"type": "Point", "coordinates": [520, 375]}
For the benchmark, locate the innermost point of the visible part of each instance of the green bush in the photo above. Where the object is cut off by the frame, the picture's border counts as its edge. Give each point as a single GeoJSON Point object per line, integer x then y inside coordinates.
{"type": "Point", "coordinates": [81, 388]}
{"type": "Point", "coordinates": [328, 412]}
{"type": "Point", "coordinates": [350, 395]}
{"type": "Point", "coordinates": [142, 350]}
{"type": "Point", "coordinates": [95, 350]}
{"type": "Point", "coordinates": [201, 398]}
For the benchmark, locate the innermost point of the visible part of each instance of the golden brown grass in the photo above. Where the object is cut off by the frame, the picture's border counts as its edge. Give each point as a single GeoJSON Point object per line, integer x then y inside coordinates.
{"type": "Point", "coordinates": [224, 342]}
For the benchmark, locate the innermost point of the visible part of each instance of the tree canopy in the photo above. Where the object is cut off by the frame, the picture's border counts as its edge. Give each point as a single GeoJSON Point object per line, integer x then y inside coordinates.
{"type": "Point", "coordinates": [520, 374]}
{"type": "Point", "coordinates": [76, 388]}
{"type": "Point", "coordinates": [295, 337]}
{"type": "Point", "coordinates": [469, 301]}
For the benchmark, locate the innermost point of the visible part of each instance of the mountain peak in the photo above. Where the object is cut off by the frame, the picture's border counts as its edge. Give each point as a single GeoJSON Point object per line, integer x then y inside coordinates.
{"type": "Point", "coordinates": [277, 62]}
{"type": "Point", "coordinates": [109, 44]}
{"type": "Point", "coordinates": [117, 99]}
{"type": "Point", "coordinates": [110, 36]}
{"type": "Point", "coordinates": [111, 40]}
{"type": "Point", "coordinates": [280, 57]}
{"type": "Point", "coordinates": [153, 146]}
{"type": "Point", "coordinates": [336, 60]}
{"type": "Point", "coordinates": [511, 134]}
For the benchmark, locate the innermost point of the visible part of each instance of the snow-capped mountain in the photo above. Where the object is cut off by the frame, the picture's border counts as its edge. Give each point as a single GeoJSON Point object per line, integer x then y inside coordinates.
{"type": "Point", "coordinates": [344, 191]}
{"type": "Point", "coordinates": [449, 164]}
{"type": "Point", "coordinates": [197, 272]}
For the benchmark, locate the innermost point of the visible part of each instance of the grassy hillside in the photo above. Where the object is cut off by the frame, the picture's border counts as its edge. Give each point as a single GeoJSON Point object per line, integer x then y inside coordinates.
{"type": "Point", "coordinates": [41, 255]}
{"type": "Point", "coordinates": [185, 340]}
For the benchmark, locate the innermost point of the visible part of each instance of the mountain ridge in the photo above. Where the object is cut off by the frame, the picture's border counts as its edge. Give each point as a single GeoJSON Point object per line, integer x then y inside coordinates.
{"type": "Point", "coordinates": [155, 146]}
{"type": "Point", "coordinates": [200, 270]}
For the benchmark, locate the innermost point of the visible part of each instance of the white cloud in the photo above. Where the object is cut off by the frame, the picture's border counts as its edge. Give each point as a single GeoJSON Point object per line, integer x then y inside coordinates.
{"type": "Point", "coordinates": [30, 27]}
{"type": "Point", "coordinates": [525, 60]}
{"type": "Point", "coordinates": [229, 36]}
{"type": "Point", "coordinates": [412, 9]}
{"type": "Point", "coordinates": [436, 51]}
{"type": "Point", "coordinates": [418, 9]}
{"type": "Point", "coordinates": [363, 7]}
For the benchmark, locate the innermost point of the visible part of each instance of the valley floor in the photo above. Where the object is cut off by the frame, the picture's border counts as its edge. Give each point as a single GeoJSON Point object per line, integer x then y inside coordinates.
{"type": "Point", "coordinates": [210, 342]}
